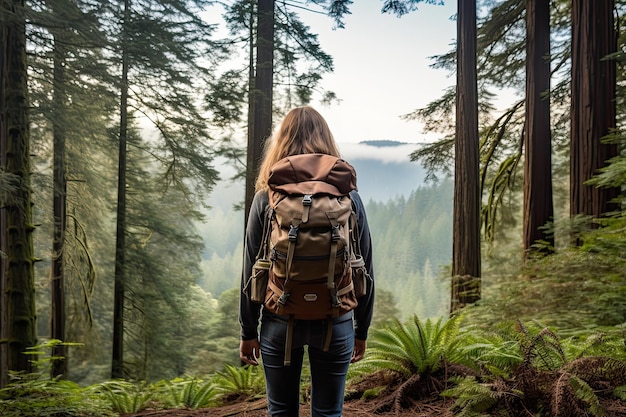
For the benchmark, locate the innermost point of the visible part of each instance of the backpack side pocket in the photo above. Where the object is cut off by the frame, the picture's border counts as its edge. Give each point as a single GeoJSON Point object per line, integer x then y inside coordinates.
{"type": "Point", "coordinates": [259, 278]}
{"type": "Point", "coordinates": [360, 277]}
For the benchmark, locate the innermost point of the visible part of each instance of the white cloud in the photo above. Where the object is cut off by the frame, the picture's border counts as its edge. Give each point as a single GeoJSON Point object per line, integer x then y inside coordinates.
{"type": "Point", "coordinates": [399, 153]}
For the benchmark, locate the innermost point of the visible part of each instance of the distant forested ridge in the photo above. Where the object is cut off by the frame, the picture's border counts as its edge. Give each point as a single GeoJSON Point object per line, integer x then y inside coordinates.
{"type": "Point", "coordinates": [412, 239]}
{"type": "Point", "coordinates": [382, 143]}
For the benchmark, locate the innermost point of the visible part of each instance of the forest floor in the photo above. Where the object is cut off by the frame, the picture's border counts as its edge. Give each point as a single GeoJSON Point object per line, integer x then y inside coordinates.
{"type": "Point", "coordinates": [399, 398]}
{"type": "Point", "coordinates": [435, 407]}
{"type": "Point", "coordinates": [415, 397]}
{"type": "Point", "coordinates": [352, 408]}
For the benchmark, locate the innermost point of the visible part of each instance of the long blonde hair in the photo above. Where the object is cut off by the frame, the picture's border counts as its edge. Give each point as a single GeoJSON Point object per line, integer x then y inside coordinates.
{"type": "Point", "coordinates": [303, 130]}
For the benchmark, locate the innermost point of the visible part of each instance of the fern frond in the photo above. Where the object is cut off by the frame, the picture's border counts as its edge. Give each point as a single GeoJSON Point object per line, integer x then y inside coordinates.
{"type": "Point", "coordinates": [585, 393]}
{"type": "Point", "coordinates": [594, 369]}
{"type": "Point", "coordinates": [570, 392]}
{"type": "Point", "coordinates": [413, 347]}
{"type": "Point", "coordinates": [246, 380]}
{"type": "Point", "coordinates": [471, 397]}
{"type": "Point", "coordinates": [125, 397]}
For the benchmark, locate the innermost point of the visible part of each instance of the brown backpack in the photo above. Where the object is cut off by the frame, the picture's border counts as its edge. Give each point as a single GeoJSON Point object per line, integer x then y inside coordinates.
{"type": "Point", "coordinates": [310, 245]}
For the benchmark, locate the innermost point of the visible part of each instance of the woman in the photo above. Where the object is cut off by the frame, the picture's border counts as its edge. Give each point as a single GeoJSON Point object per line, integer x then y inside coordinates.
{"type": "Point", "coordinates": [303, 131]}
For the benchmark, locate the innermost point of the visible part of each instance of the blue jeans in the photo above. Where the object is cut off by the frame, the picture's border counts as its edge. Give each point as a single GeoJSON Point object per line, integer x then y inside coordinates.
{"type": "Point", "coordinates": [328, 369]}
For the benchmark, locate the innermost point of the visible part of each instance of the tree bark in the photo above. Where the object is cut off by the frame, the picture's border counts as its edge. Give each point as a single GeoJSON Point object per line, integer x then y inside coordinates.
{"type": "Point", "coordinates": [593, 112]}
{"type": "Point", "coordinates": [117, 362]}
{"type": "Point", "coordinates": [260, 111]}
{"type": "Point", "coordinates": [4, 324]}
{"type": "Point", "coordinates": [20, 313]}
{"type": "Point", "coordinates": [57, 294]}
{"type": "Point", "coordinates": [466, 272]}
{"type": "Point", "coordinates": [538, 206]}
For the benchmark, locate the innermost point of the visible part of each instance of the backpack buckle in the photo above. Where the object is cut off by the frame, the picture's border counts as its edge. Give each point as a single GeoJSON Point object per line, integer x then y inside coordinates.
{"type": "Point", "coordinates": [307, 200]}
{"type": "Point", "coordinates": [283, 298]}
{"type": "Point", "coordinates": [293, 233]}
{"type": "Point", "coordinates": [335, 233]}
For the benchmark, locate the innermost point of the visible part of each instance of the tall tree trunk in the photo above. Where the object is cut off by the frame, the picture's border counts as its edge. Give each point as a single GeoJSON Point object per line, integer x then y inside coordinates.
{"type": "Point", "coordinates": [57, 316]}
{"type": "Point", "coordinates": [21, 331]}
{"type": "Point", "coordinates": [117, 363]}
{"type": "Point", "coordinates": [465, 288]}
{"type": "Point", "coordinates": [4, 324]}
{"type": "Point", "coordinates": [260, 113]}
{"type": "Point", "coordinates": [538, 208]}
{"type": "Point", "coordinates": [593, 104]}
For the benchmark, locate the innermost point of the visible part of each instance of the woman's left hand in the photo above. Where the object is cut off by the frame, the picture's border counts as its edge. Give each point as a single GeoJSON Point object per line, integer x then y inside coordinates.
{"type": "Point", "coordinates": [249, 351]}
{"type": "Point", "coordinates": [359, 350]}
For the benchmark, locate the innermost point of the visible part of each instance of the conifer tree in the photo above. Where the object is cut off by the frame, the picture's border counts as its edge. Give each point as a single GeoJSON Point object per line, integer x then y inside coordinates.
{"type": "Point", "coordinates": [16, 241]}
{"type": "Point", "coordinates": [162, 263]}
{"type": "Point", "coordinates": [69, 136]}
{"type": "Point", "coordinates": [164, 52]}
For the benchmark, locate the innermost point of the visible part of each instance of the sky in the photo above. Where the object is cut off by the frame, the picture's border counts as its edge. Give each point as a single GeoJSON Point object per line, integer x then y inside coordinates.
{"type": "Point", "coordinates": [383, 69]}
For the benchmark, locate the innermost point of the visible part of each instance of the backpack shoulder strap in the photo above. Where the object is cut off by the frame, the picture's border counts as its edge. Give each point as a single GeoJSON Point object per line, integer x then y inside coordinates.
{"type": "Point", "coordinates": [263, 252]}
{"type": "Point", "coordinates": [355, 233]}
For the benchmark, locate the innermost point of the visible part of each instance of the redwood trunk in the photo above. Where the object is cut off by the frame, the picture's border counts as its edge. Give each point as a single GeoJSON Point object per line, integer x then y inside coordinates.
{"type": "Point", "coordinates": [117, 362]}
{"type": "Point", "coordinates": [18, 263]}
{"type": "Point", "coordinates": [538, 207]}
{"type": "Point", "coordinates": [260, 116]}
{"type": "Point", "coordinates": [466, 272]}
{"type": "Point", "coordinates": [57, 316]}
{"type": "Point", "coordinates": [593, 104]}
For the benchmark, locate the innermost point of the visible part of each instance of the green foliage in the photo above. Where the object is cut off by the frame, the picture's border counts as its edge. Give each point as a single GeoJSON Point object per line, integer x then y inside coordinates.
{"type": "Point", "coordinates": [125, 397]}
{"type": "Point", "coordinates": [240, 381]}
{"type": "Point", "coordinates": [33, 395]}
{"type": "Point", "coordinates": [474, 399]}
{"type": "Point", "coordinates": [411, 239]}
{"type": "Point", "coordinates": [566, 377]}
{"type": "Point", "coordinates": [191, 393]}
{"type": "Point", "coordinates": [494, 352]}
{"type": "Point", "coordinates": [576, 290]}
{"type": "Point", "coordinates": [416, 347]}
{"type": "Point", "coordinates": [385, 307]}
{"type": "Point", "coordinates": [571, 386]}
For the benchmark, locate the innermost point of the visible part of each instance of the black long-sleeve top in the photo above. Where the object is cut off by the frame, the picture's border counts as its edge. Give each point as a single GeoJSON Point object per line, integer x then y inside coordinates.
{"type": "Point", "coordinates": [249, 312]}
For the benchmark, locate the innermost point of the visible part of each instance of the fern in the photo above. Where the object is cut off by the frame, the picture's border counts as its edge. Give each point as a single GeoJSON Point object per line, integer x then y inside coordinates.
{"type": "Point", "coordinates": [29, 394]}
{"type": "Point", "coordinates": [474, 399]}
{"type": "Point", "coordinates": [415, 347]}
{"type": "Point", "coordinates": [247, 380]}
{"type": "Point", "coordinates": [541, 349]}
{"type": "Point", "coordinates": [192, 393]}
{"type": "Point", "coordinates": [570, 391]}
{"type": "Point", "coordinates": [125, 397]}
{"type": "Point", "coordinates": [498, 352]}
{"type": "Point", "coordinates": [595, 344]}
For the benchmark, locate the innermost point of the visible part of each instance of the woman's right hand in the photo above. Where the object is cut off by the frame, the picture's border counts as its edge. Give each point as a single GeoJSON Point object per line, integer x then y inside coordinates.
{"type": "Point", "coordinates": [249, 351]}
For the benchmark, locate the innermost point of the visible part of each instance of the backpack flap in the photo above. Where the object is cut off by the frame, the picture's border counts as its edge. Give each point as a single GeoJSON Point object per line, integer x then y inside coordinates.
{"type": "Point", "coordinates": [312, 174]}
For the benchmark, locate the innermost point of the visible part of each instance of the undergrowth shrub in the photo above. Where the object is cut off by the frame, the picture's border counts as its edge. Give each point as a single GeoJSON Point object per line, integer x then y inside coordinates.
{"type": "Point", "coordinates": [554, 377]}
{"type": "Point", "coordinates": [236, 381]}
{"type": "Point", "coordinates": [126, 397]}
{"type": "Point", "coordinates": [32, 395]}
{"type": "Point", "coordinates": [191, 393]}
